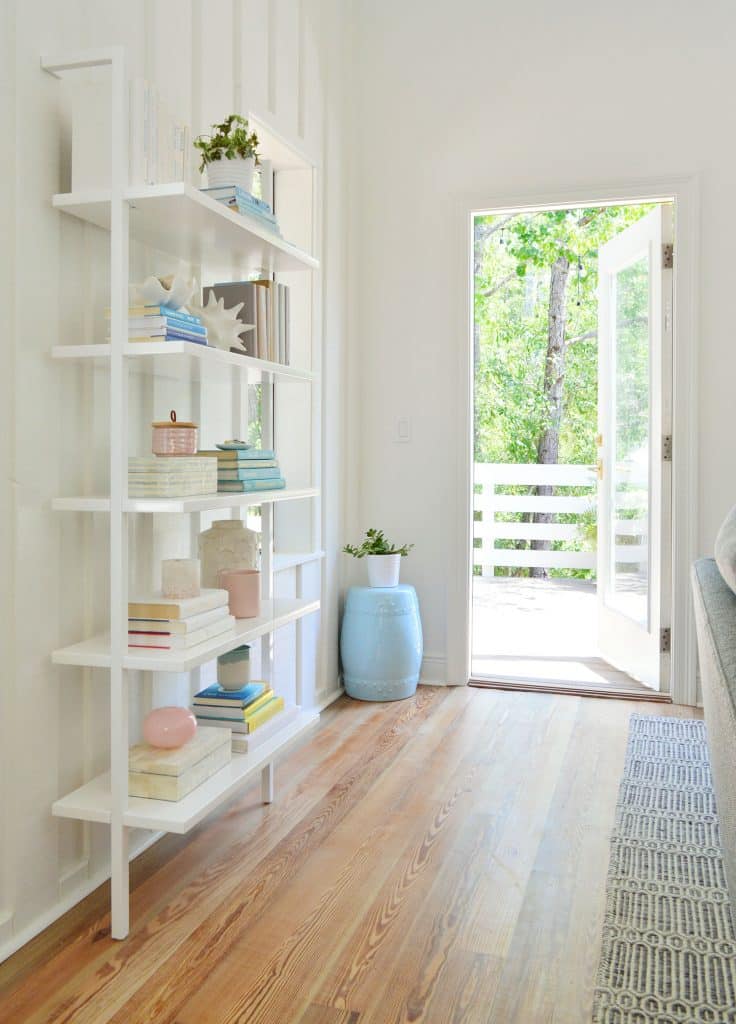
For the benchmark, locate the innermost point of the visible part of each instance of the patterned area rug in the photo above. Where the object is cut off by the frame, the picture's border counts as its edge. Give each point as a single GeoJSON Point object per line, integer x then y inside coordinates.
{"type": "Point", "coordinates": [669, 947]}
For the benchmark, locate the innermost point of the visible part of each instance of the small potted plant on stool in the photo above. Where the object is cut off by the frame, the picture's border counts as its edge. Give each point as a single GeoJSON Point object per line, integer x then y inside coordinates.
{"type": "Point", "coordinates": [384, 558]}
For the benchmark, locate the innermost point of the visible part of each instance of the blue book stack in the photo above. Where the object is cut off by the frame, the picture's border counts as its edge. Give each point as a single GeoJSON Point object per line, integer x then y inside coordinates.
{"type": "Point", "coordinates": [242, 470]}
{"type": "Point", "coordinates": [161, 323]}
{"type": "Point", "coordinates": [236, 198]}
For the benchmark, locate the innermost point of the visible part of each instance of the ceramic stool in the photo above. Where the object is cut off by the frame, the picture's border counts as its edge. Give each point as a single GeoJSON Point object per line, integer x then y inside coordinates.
{"type": "Point", "coordinates": [381, 643]}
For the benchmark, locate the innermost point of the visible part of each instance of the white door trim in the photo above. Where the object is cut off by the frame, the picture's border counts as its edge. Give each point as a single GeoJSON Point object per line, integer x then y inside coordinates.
{"type": "Point", "coordinates": [685, 497]}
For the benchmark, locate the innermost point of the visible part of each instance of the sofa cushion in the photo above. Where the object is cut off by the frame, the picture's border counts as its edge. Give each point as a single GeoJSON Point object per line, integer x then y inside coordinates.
{"type": "Point", "coordinates": [715, 617]}
{"type": "Point", "coordinates": [725, 550]}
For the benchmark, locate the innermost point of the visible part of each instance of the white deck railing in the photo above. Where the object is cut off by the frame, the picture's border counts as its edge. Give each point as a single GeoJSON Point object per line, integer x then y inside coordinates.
{"type": "Point", "coordinates": [489, 477]}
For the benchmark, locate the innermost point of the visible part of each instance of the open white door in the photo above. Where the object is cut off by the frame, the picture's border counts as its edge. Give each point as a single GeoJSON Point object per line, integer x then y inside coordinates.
{"type": "Point", "coordinates": [634, 467]}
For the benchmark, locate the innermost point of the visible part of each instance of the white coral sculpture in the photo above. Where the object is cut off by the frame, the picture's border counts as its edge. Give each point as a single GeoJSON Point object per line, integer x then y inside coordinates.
{"type": "Point", "coordinates": [174, 290]}
{"type": "Point", "coordinates": [223, 327]}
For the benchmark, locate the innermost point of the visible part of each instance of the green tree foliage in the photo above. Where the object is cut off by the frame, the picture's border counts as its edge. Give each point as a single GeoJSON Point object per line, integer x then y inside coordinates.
{"type": "Point", "coordinates": [513, 260]}
{"type": "Point", "coordinates": [513, 257]}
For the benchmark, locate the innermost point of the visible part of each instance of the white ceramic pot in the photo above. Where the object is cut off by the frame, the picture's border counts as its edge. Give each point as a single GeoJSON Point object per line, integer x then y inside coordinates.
{"type": "Point", "coordinates": [383, 570]}
{"type": "Point", "coordinates": [232, 172]}
{"type": "Point", "coordinates": [228, 544]}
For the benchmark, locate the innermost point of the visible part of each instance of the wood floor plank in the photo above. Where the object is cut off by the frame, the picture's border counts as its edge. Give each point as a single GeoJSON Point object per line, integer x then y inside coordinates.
{"type": "Point", "coordinates": [496, 843]}
{"type": "Point", "coordinates": [441, 859]}
{"type": "Point", "coordinates": [87, 991]}
{"type": "Point", "coordinates": [313, 914]}
{"type": "Point", "coordinates": [163, 997]}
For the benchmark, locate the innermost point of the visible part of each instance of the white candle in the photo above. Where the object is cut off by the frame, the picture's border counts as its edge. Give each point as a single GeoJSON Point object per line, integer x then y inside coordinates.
{"type": "Point", "coordinates": [180, 577]}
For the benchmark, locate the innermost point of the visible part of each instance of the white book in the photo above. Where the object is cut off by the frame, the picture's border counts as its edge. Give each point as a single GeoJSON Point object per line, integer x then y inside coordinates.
{"type": "Point", "coordinates": [245, 743]}
{"type": "Point", "coordinates": [136, 142]}
{"type": "Point", "coordinates": [180, 626]}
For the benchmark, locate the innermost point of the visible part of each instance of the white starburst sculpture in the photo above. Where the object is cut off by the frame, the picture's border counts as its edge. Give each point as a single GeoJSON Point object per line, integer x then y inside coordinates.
{"type": "Point", "coordinates": [174, 291]}
{"type": "Point", "coordinates": [223, 327]}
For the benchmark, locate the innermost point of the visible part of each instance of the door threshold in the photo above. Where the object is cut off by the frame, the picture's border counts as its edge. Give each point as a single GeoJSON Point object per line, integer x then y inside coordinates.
{"type": "Point", "coordinates": [568, 689]}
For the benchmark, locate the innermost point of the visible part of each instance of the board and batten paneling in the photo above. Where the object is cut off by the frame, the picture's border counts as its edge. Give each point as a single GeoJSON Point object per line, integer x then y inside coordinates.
{"type": "Point", "coordinates": [277, 60]}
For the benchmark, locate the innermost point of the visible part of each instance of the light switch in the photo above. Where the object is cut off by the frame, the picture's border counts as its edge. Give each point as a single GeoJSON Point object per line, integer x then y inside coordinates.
{"type": "Point", "coordinates": [402, 432]}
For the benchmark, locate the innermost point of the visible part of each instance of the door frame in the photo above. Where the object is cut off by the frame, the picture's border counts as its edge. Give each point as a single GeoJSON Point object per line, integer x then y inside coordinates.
{"type": "Point", "coordinates": [684, 192]}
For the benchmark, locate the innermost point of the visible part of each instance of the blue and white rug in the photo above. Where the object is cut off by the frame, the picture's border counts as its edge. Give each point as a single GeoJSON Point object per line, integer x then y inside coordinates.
{"type": "Point", "coordinates": [669, 946]}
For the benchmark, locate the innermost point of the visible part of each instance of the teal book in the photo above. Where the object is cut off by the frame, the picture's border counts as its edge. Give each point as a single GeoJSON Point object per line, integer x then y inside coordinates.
{"type": "Point", "coordinates": [244, 486]}
{"type": "Point", "coordinates": [237, 455]}
{"type": "Point", "coordinates": [245, 473]}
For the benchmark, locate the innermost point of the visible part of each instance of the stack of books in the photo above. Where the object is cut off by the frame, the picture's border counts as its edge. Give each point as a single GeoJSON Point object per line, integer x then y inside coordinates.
{"type": "Point", "coordinates": [242, 711]}
{"type": "Point", "coordinates": [165, 774]}
{"type": "Point", "coordinates": [161, 323]}
{"type": "Point", "coordinates": [242, 202]}
{"type": "Point", "coordinates": [154, 476]}
{"type": "Point", "coordinates": [168, 624]}
{"type": "Point", "coordinates": [242, 470]}
{"type": "Point", "coordinates": [266, 304]}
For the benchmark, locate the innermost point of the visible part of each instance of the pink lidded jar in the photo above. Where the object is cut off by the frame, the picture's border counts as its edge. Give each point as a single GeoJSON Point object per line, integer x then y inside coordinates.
{"type": "Point", "coordinates": [174, 438]}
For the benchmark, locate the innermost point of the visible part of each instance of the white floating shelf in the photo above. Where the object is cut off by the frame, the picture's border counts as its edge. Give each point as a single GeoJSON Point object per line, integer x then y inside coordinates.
{"type": "Point", "coordinates": [92, 802]}
{"type": "Point", "coordinates": [289, 560]}
{"type": "Point", "coordinates": [180, 220]}
{"type": "Point", "coordinates": [182, 360]}
{"type": "Point", "coordinates": [95, 652]}
{"type": "Point", "coordinates": [197, 503]}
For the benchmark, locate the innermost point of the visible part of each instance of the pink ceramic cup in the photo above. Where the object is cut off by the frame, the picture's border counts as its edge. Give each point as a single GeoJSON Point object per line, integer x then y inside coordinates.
{"type": "Point", "coordinates": [244, 588]}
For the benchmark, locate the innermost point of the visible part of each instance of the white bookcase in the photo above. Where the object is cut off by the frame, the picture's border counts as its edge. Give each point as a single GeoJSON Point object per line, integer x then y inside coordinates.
{"type": "Point", "coordinates": [179, 220]}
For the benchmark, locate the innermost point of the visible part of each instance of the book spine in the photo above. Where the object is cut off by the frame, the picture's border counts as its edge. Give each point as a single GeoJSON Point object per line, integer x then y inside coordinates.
{"type": "Point", "coordinates": [265, 713]}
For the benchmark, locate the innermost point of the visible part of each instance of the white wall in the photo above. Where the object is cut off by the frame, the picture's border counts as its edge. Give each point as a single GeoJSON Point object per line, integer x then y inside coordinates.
{"type": "Point", "coordinates": [282, 62]}
{"type": "Point", "coordinates": [484, 98]}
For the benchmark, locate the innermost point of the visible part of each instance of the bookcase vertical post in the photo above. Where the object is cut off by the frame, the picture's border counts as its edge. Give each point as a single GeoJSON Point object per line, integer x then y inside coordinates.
{"type": "Point", "coordinates": [118, 451]}
{"type": "Point", "coordinates": [208, 231]}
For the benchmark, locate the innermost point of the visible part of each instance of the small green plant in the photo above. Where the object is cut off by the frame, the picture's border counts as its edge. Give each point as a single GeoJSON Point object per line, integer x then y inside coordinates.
{"type": "Point", "coordinates": [375, 543]}
{"type": "Point", "coordinates": [229, 140]}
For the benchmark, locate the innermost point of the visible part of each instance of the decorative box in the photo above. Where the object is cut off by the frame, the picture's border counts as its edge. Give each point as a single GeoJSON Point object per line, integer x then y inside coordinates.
{"type": "Point", "coordinates": [162, 774]}
{"type": "Point", "coordinates": [172, 437]}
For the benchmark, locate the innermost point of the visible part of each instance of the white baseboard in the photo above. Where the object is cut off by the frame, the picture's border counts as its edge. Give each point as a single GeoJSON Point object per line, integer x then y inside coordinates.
{"type": "Point", "coordinates": [74, 878]}
{"type": "Point", "coordinates": [6, 926]}
{"type": "Point", "coordinates": [13, 944]}
{"type": "Point", "coordinates": [327, 697]}
{"type": "Point", "coordinates": [434, 670]}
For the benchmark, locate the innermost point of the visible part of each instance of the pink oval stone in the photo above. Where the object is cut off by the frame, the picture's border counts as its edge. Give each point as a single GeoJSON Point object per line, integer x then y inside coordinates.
{"type": "Point", "coordinates": [169, 727]}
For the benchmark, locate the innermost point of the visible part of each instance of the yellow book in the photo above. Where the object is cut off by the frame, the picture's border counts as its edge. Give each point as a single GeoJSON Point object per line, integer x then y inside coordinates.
{"type": "Point", "coordinates": [265, 713]}
{"type": "Point", "coordinates": [158, 607]}
{"type": "Point", "coordinates": [265, 697]}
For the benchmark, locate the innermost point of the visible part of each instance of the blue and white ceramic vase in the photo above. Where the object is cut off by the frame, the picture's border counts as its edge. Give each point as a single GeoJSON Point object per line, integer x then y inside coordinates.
{"type": "Point", "coordinates": [381, 643]}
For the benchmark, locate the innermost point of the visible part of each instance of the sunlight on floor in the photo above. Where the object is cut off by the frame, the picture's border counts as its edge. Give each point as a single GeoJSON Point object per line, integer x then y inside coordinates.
{"type": "Point", "coordinates": [540, 630]}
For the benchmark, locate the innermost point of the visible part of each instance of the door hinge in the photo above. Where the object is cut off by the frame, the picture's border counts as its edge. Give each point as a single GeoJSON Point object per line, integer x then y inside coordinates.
{"type": "Point", "coordinates": [668, 256]}
{"type": "Point", "coordinates": [667, 448]}
{"type": "Point", "coordinates": [665, 640]}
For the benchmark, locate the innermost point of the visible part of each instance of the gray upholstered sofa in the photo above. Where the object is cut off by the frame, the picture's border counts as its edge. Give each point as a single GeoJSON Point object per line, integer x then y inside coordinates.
{"type": "Point", "coordinates": [715, 615]}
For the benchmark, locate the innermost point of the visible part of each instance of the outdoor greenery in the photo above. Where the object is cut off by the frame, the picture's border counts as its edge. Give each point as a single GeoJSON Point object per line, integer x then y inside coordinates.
{"type": "Point", "coordinates": [375, 543]}
{"type": "Point", "coordinates": [230, 139]}
{"type": "Point", "coordinates": [535, 341]}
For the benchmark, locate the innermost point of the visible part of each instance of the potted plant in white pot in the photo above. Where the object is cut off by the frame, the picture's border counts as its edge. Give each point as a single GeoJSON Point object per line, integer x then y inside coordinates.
{"type": "Point", "coordinates": [230, 154]}
{"type": "Point", "coordinates": [384, 558]}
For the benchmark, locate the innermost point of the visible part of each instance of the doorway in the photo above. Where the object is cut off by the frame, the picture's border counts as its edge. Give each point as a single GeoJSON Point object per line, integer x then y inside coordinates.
{"type": "Point", "coordinates": [572, 385]}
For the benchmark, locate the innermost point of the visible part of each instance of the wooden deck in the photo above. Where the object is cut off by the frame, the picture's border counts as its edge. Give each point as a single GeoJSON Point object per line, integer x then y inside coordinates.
{"type": "Point", "coordinates": [542, 633]}
{"type": "Point", "coordinates": [438, 859]}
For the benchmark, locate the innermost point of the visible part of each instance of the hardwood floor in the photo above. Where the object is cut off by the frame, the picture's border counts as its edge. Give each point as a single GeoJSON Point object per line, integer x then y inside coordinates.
{"type": "Point", "coordinates": [441, 859]}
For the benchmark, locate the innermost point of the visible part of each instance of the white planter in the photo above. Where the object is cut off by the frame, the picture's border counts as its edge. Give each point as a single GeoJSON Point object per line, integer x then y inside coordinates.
{"type": "Point", "coordinates": [232, 172]}
{"type": "Point", "coordinates": [383, 570]}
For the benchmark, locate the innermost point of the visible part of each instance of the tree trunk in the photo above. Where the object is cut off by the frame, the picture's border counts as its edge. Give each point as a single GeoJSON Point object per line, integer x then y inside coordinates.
{"type": "Point", "coordinates": [554, 380]}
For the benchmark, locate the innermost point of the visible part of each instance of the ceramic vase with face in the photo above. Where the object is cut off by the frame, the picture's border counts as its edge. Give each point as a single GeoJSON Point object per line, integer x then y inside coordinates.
{"type": "Point", "coordinates": [228, 544]}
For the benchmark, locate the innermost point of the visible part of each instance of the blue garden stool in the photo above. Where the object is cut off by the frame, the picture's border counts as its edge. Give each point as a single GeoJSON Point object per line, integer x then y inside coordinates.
{"type": "Point", "coordinates": [381, 643]}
